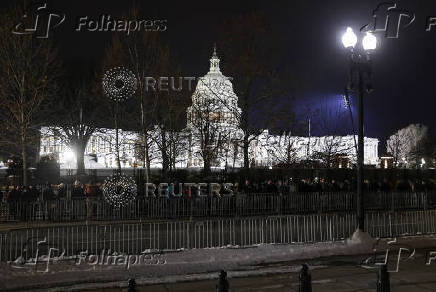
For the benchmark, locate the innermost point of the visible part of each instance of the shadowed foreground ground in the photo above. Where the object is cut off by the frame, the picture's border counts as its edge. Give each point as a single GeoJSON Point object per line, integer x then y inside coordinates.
{"type": "Point", "coordinates": [335, 266]}
{"type": "Point", "coordinates": [332, 274]}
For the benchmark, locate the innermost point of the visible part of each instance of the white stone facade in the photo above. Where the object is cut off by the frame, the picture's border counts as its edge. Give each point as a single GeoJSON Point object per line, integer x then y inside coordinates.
{"type": "Point", "coordinates": [270, 150]}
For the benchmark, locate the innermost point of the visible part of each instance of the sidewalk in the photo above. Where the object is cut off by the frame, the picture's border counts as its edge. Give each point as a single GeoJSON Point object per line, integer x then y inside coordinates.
{"type": "Point", "coordinates": [335, 266]}
{"type": "Point", "coordinates": [339, 274]}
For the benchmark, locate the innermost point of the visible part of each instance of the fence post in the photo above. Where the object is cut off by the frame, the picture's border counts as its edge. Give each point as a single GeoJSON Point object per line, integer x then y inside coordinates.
{"type": "Point", "coordinates": [305, 279]}
{"type": "Point", "coordinates": [223, 284]}
{"type": "Point", "coordinates": [131, 285]}
{"type": "Point", "coordinates": [383, 283]}
{"type": "Point", "coordinates": [392, 202]}
{"type": "Point", "coordinates": [390, 225]}
{"type": "Point", "coordinates": [424, 199]}
{"type": "Point", "coordinates": [191, 215]}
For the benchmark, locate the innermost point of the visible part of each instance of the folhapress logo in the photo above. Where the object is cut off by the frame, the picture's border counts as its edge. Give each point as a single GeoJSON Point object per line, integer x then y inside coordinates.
{"type": "Point", "coordinates": [389, 19]}
{"type": "Point", "coordinates": [39, 21]}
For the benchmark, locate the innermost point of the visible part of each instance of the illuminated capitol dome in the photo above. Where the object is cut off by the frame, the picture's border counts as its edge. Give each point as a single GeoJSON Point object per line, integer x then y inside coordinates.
{"type": "Point", "coordinates": [214, 96]}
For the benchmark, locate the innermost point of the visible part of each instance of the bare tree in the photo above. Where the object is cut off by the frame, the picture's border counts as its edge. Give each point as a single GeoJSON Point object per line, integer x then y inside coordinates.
{"type": "Point", "coordinates": [393, 147]}
{"type": "Point", "coordinates": [168, 135]}
{"type": "Point", "coordinates": [329, 148]}
{"type": "Point", "coordinates": [169, 99]}
{"type": "Point", "coordinates": [169, 146]}
{"type": "Point", "coordinates": [29, 68]}
{"type": "Point", "coordinates": [145, 55]}
{"type": "Point", "coordinates": [78, 115]}
{"type": "Point", "coordinates": [283, 149]}
{"type": "Point", "coordinates": [205, 123]}
{"type": "Point", "coordinates": [331, 122]}
{"type": "Point", "coordinates": [251, 56]}
{"type": "Point", "coordinates": [408, 145]}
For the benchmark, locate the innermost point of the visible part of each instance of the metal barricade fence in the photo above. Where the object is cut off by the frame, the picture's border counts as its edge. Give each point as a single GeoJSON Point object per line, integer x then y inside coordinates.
{"type": "Point", "coordinates": [244, 205]}
{"type": "Point", "coordinates": [134, 238]}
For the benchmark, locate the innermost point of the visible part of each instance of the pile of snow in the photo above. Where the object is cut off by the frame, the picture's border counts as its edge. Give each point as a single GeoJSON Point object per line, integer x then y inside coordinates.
{"type": "Point", "coordinates": [362, 241]}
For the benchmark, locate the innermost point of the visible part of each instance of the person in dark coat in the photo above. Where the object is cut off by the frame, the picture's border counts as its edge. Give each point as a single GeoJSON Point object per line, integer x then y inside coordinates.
{"type": "Point", "coordinates": [14, 195]}
{"type": "Point", "coordinates": [48, 193]}
{"type": "Point", "coordinates": [131, 285]}
{"type": "Point", "coordinates": [305, 279]}
{"type": "Point", "coordinates": [77, 192]}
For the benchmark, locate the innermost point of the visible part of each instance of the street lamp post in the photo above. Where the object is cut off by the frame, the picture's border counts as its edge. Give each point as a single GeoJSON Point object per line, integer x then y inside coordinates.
{"type": "Point", "coordinates": [360, 70]}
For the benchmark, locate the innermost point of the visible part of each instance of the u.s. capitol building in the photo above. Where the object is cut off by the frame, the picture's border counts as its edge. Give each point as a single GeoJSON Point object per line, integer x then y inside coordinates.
{"type": "Point", "coordinates": [212, 130]}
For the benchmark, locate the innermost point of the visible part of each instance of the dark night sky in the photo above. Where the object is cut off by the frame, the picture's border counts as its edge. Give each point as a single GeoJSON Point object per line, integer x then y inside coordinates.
{"type": "Point", "coordinates": [404, 78]}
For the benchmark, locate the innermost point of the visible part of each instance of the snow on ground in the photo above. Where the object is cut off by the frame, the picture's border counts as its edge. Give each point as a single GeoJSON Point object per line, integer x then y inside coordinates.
{"type": "Point", "coordinates": [194, 264]}
{"type": "Point", "coordinates": [182, 265]}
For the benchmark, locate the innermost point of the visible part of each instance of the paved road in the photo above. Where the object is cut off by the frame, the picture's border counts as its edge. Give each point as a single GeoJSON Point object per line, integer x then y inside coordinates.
{"type": "Point", "coordinates": [337, 274]}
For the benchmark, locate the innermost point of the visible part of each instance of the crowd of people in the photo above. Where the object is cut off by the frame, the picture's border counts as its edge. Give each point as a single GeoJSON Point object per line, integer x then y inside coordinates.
{"type": "Point", "coordinates": [292, 185]}
{"type": "Point", "coordinates": [280, 186]}
{"type": "Point", "coordinates": [49, 192]}
{"type": "Point", "coordinates": [31, 193]}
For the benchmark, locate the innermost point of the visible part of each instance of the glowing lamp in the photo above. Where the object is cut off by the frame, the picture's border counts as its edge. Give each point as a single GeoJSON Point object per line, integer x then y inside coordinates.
{"type": "Point", "coordinates": [369, 42]}
{"type": "Point", "coordinates": [69, 155]}
{"type": "Point", "coordinates": [349, 39]}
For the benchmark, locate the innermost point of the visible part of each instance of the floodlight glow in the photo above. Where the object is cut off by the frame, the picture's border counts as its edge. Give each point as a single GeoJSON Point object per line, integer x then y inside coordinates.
{"type": "Point", "coordinates": [349, 39]}
{"type": "Point", "coordinates": [69, 155]}
{"type": "Point", "coordinates": [369, 42]}
{"type": "Point", "coordinates": [346, 102]}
